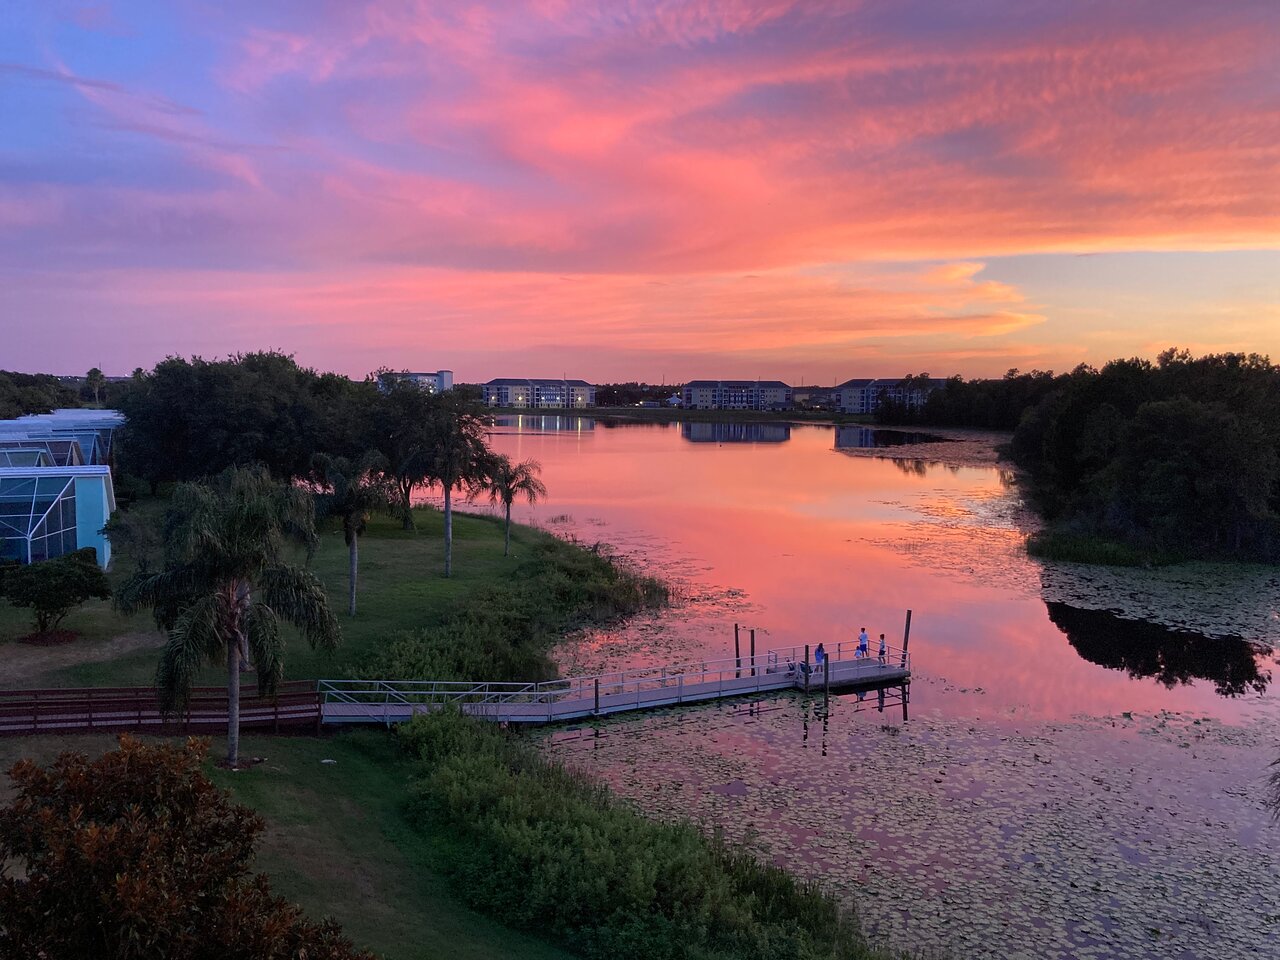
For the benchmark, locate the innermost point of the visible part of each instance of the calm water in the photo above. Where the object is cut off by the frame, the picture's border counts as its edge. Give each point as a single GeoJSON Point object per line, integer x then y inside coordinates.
{"type": "Point", "coordinates": [1070, 783]}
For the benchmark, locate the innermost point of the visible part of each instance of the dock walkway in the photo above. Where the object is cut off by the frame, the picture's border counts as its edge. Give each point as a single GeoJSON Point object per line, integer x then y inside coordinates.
{"type": "Point", "coordinates": [575, 698]}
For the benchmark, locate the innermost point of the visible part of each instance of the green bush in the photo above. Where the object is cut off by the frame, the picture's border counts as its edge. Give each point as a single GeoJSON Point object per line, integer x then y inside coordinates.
{"type": "Point", "coordinates": [53, 588]}
{"type": "Point", "coordinates": [504, 632]}
{"type": "Point", "coordinates": [547, 849]}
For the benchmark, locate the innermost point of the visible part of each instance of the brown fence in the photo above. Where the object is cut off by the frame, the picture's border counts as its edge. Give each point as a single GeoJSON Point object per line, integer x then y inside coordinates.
{"type": "Point", "coordinates": [296, 704]}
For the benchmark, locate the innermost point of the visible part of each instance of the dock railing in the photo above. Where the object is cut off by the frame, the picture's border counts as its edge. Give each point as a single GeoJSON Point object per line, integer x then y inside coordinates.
{"type": "Point", "coordinates": [615, 689]}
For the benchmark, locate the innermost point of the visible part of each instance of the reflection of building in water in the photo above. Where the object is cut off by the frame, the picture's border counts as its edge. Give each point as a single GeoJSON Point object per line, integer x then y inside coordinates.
{"type": "Point", "coordinates": [1143, 649]}
{"type": "Point", "coordinates": [529, 423]}
{"type": "Point", "coordinates": [736, 432]}
{"type": "Point", "coordinates": [865, 438]}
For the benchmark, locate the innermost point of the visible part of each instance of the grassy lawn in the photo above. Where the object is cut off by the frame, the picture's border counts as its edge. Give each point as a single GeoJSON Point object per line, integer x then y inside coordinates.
{"type": "Point", "coordinates": [337, 842]}
{"type": "Point", "coordinates": [401, 587]}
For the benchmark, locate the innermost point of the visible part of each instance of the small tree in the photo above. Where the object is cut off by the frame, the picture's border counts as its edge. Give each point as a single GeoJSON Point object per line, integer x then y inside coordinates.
{"type": "Point", "coordinates": [53, 588]}
{"type": "Point", "coordinates": [353, 491]}
{"type": "Point", "coordinates": [225, 541]}
{"type": "Point", "coordinates": [507, 481]}
{"type": "Point", "coordinates": [138, 854]}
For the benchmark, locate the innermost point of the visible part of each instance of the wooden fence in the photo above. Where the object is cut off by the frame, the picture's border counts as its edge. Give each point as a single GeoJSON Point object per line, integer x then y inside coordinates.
{"type": "Point", "coordinates": [296, 704]}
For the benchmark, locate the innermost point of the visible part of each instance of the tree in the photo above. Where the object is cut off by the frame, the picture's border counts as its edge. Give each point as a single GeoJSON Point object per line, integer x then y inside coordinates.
{"type": "Point", "coordinates": [456, 455]}
{"type": "Point", "coordinates": [402, 416]}
{"type": "Point", "coordinates": [507, 481]}
{"type": "Point", "coordinates": [96, 382]}
{"type": "Point", "coordinates": [137, 854]}
{"type": "Point", "coordinates": [225, 541]}
{"type": "Point", "coordinates": [53, 588]}
{"type": "Point", "coordinates": [352, 491]}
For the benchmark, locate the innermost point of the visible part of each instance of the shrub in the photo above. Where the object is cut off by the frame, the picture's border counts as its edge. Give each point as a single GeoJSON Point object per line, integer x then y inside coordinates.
{"type": "Point", "coordinates": [138, 854]}
{"type": "Point", "coordinates": [549, 850]}
{"type": "Point", "coordinates": [53, 588]}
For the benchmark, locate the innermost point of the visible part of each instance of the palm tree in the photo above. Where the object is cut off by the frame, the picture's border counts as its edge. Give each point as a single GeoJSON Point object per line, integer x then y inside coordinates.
{"type": "Point", "coordinates": [353, 492]}
{"type": "Point", "coordinates": [456, 455]}
{"type": "Point", "coordinates": [506, 481]}
{"type": "Point", "coordinates": [226, 585]}
{"type": "Point", "coordinates": [95, 381]}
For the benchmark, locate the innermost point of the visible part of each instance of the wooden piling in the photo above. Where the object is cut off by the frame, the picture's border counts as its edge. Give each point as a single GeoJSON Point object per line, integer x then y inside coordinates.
{"type": "Point", "coordinates": [906, 636]}
{"type": "Point", "coordinates": [753, 651]}
{"type": "Point", "coordinates": [737, 652]}
{"type": "Point", "coordinates": [597, 694]}
{"type": "Point", "coordinates": [806, 668]}
{"type": "Point", "coordinates": [826, 686]}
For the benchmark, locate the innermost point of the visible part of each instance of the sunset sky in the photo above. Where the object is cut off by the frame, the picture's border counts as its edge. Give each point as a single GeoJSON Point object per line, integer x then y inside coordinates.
{"type": "Point", "coordinates": [808, 191]}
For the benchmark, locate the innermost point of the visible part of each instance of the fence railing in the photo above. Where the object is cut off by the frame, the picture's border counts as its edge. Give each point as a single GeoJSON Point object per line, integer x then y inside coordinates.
{"type": "Point", "coordinates": [296, 703]}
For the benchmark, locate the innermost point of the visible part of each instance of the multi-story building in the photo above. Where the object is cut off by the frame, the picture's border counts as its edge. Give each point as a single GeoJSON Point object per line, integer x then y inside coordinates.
{"type": "Point", "coordinates": [864, 396]}
{"type": "Point", "coordinates": [737, 395]}
{"type": "Point", "coordinates": [813, 398]}
{"type": "Point", "coordinates": [538, 394]}
{"type": "Point", "coordinates": [437, 382]}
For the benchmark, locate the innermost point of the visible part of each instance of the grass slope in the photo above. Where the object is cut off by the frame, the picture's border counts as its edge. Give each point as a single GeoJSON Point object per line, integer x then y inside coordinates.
{"type": "Point", "coordinates": [338, 842]}
{"type": "Point", "coordinates": [401, 588]}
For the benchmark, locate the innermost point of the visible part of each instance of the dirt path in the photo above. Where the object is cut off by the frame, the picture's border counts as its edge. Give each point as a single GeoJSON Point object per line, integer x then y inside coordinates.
{"type": "Point", "coordinates": [20, 662]}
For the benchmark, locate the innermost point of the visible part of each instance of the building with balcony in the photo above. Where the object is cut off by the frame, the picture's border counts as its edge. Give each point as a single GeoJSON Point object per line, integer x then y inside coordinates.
{"type": "Point", "coordinates": [737, 395]}
{"type": "Point", "coordinates": [520, 394]}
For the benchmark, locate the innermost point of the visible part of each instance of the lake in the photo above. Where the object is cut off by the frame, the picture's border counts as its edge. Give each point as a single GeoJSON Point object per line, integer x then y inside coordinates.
{"type": "Point", "coordinates": [1083, 770]}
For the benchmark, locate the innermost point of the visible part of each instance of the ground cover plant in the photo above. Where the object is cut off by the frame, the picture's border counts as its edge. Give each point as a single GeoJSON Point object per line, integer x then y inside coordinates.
{"type": "Point", "coordinates": [549, 850]}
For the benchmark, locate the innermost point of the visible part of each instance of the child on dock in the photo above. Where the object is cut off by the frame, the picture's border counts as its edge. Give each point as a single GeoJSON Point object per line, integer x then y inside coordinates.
{"type": "Point", "coordinates": [884, 650]}
{"type": "Point", "coordinates": [862, 645]}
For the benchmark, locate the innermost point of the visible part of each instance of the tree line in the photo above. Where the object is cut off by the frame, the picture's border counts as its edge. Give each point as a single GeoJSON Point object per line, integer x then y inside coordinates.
{"type": "Point", "coordinates": [1177, 457]}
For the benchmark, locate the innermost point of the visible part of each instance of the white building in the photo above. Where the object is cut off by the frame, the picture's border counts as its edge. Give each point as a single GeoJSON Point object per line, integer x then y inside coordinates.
{"type": "Point", "coordinates": [437, 382]}
{"type": "Point", "coordinates": [864, 396]}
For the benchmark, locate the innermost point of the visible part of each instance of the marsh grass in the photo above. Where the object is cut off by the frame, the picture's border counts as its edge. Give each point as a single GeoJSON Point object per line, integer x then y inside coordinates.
{"type": "Point", "coordinates": [547, 848]}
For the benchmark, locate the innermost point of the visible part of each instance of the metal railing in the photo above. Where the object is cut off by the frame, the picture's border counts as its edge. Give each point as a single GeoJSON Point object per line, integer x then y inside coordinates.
{"type": "Point", "coordinates": [615, 690]}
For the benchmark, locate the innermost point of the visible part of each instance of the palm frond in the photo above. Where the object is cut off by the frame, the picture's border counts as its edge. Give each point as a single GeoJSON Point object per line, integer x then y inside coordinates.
{"type": "Point", "coordinates": [266, 648]}
{"type": "Point", "coordinates": [298, 596]}
{"type": "Point", "coordinates": [194, 640]}
{"type": "Point", "coordinates": [167, 592]}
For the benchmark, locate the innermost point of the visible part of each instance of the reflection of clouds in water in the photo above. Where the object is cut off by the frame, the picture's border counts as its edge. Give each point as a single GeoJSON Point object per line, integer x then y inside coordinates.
{"type": "Point", "coordinates": [1049, 840]}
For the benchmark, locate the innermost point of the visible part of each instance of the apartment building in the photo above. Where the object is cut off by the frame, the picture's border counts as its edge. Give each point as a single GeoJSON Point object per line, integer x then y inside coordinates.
{"type": "Point", "coordinates": [538, 394]}
{"type": "Point", "coordinates": [737, 395]}
{"type": "Point", "coordinates": [864, 396]}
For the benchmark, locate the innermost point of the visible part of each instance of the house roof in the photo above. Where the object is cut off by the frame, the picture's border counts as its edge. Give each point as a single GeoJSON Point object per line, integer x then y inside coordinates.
{"type": "Point", "coordinates": [519, 382]}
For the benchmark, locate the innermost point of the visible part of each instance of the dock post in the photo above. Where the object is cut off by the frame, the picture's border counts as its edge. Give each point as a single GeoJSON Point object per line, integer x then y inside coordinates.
{"type": "Point", "coordinates": [753, 651]}
{"type": "Point", "coordinates": [906, 635]}
{"type": "Point", "coordinates": [826, 689]}
{"type": "Point", "coordinates": [737, 653]}
{"type": "Point", "coordinates": [806, 668]}
{"type": "Point", "coordinates": [597, 694]}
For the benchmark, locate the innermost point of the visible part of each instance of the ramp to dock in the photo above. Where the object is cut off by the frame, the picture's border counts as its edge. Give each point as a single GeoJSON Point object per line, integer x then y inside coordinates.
{"type": "Point", "coordinates": [647, 688]}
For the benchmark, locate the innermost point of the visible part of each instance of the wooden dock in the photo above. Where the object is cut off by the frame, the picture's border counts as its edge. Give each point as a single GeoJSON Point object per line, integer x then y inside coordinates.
{"type": "Point", "coordinates": [576, 698]}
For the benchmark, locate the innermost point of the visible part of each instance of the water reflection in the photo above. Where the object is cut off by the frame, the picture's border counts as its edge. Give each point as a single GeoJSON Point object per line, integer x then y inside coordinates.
{"type": "Point", "coordinates": [537, 423]}
{"type": "Point", "coordinates": [1171, 657]}
{"type": "Point", "coordinates": [853, 437]}
{"type": "Point", "coordinates": [735, 432]}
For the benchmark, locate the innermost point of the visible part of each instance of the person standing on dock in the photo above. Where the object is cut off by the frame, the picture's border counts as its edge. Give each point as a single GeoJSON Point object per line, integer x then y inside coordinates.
{"type": "Point", "coordinates": [820, 657]}
{"type": "Point", "coordinates": [862, 644]}
{"type": "Point", "coordinates": [884, 650]}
